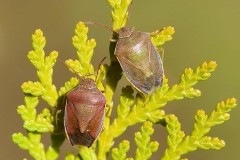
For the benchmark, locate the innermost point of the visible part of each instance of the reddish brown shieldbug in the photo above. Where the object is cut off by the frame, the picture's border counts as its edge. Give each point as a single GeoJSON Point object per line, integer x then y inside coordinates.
{"type": "Point", "coordinates": [139, 59]}
{"type": "Point", "coordinates": [84, 113]}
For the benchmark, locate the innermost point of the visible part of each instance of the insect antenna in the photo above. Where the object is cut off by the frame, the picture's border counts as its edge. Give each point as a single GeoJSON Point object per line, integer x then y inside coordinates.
{"type": "Point", "coordinates": [100, 24]}
{"type": "Point", "coordinates": [99, 67]}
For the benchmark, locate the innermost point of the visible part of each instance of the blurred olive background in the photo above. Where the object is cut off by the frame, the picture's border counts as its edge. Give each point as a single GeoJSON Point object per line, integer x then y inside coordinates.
{"type": "Point", "coordinates": [205, 30]}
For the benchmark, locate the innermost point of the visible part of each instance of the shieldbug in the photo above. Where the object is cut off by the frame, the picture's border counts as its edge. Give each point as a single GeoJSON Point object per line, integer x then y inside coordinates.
{"type": "Point", "coordinates": [139, 59]}
{"type": "Point", "coordinates": [84, 113]}
{"type": "Point", "coordinates": [137, 56]}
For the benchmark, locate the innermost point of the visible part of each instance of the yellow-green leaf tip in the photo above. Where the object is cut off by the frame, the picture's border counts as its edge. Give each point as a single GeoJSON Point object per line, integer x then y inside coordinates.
{"type": "Point", "coordinates": [120, 13]}
{"type": "Point", "coordinates": [120, 152]}
{"type": "Point", "coordinates": [38, 39]}
{"type": "Point", "coordinates": [160, 37]}
{"type": "Point", "coordinates": [33, 88]}
{"type": "Point", "coordinates": [145, 147]}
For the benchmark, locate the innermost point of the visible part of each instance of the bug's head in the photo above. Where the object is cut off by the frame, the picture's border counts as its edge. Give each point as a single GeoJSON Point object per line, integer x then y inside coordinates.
{"type": "Point", "coordinates": [125, 32]}
{"type": "Point", "coordinates": [88, 83]}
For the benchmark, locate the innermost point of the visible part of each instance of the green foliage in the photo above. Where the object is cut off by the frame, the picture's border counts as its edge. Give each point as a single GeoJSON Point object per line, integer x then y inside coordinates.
{"type": "Point", "coordinates": [68, 86]}
{"type": "Point", "coordinates": [44, 65]}
{"type": "Point", "coordinates": [145, 146]}
{"type": "Point", "coordinates": [87, 154]}
{"type": "Point", "coordinates": [131, 110]}
{"type": "Point", "coordinates": [84, 51]}
{"type": "Point", "coordinates": [35, 123]}
{"type": "Point", "coordinates": [34, 146]}
{"type": "Point", "coordinates": [120, 12]}
{"type": "Point", "coordinates": [179, 143]}
{"type": "Point", "coordinates": [120, 153]}
{"type": "Point", "coordinates": [160, 37]}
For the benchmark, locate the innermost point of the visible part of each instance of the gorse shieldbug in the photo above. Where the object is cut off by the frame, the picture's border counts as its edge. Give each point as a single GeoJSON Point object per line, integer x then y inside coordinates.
{"type": "Point", "coordinates": [139, 59]}
{"type": "Point", "coordinates": [84, 113]}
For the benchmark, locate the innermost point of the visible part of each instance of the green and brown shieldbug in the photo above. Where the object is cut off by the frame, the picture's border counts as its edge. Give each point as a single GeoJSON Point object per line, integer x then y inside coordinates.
{"type": "Point", "coordinates": [139, 59]}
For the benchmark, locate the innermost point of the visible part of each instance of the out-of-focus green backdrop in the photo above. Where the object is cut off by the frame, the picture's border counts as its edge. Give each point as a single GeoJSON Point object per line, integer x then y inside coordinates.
{"type": "Point", "coordinates": [205, 30]}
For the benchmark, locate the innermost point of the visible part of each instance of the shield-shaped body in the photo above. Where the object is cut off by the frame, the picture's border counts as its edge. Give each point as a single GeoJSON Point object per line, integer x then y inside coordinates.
{"type": "Point", "coordinates": [139, 60]}
{"type": "Point", "coordinates": [84, 113]}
